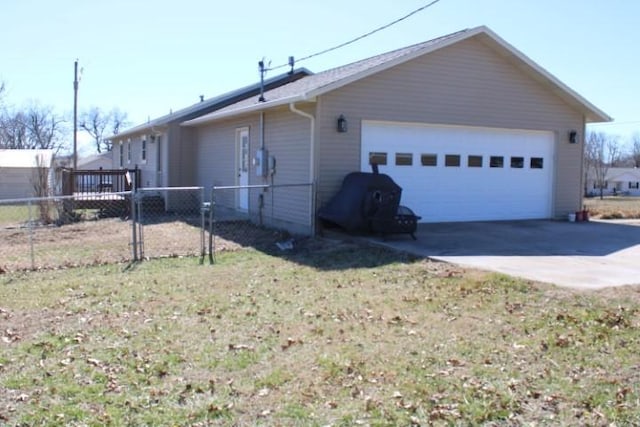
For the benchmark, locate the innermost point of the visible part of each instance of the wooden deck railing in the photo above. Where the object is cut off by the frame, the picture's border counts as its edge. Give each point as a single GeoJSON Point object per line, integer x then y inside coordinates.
{"type": "Point", "coordinates": [99, 181]}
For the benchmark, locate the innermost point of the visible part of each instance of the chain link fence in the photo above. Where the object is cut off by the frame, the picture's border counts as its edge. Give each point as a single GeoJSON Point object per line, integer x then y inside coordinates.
{"type": "Point", "coordinates": [169, 222]}
{"type": "Point", "coordinates": [266, 217]}
{"type": "Point", "coordinates": [54, 232]}
{"type": "Point", "coordinates": [109, 227]}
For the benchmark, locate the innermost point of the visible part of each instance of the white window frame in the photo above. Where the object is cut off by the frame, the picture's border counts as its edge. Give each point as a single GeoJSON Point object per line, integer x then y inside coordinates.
{"type": "Point", "coordinates": [143, 149]}
{"type": "Point", "coordinates": [128, 151]}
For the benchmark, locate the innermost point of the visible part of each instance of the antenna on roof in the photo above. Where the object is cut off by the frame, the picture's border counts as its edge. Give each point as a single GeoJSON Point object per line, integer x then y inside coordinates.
{"type": "Point", "coordinates": [262, 72]}
{"type": "Point", "coordinates": [292, 63]}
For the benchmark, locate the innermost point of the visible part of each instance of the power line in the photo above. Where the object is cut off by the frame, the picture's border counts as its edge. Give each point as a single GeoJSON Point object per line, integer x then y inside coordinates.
{"type": "Point", "coordinates": [341, 45]}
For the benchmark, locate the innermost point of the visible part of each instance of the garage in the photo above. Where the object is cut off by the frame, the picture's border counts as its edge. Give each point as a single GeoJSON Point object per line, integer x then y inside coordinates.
{"type": "Point", "coordinates": [464, 173]}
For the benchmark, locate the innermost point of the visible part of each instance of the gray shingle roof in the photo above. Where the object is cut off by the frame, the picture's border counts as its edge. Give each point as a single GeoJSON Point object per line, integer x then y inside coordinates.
{"type": "Point", "coordinates": [212, 104]}
{"type": "Point", "coordinates": [317, 84]}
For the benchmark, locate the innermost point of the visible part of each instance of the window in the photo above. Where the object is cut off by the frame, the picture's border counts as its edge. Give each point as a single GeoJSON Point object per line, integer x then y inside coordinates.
{"type": "Point", "coordinates": [377, 158]}
{"type": "Point", "coordinates": [496, 162]}
{"type": "Point", "coordinates": [121, 154]}
{"type": "Point", "coordinates": [129, 151]}
{"type": "Point", "coordinates": [143, 152]}
{"type": "Point", "coordinates": [536, 163]}
{"type": "Point", "coordinates": [517, 162]}
{"type": "Point", "coordinates": [452, 160]}
{"type": "Point", "coordinates": [404, 159]}
{"type": "Point", "coordinates": [633, 185]}
{"type": "Point", "coordinates": [474, 161]}
{"type": "Point", "coordinates": [429, 159]}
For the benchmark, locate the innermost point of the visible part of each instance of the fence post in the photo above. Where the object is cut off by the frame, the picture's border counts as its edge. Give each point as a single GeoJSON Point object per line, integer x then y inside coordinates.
{"type": "Point", "coordinates": [203, 210]}
{"type": "Point", "coordinates": [212, 225]}
{"type": "Point", "coordinates": [31, 248]}
{"type": "Point", "coordinates": [134, 236]}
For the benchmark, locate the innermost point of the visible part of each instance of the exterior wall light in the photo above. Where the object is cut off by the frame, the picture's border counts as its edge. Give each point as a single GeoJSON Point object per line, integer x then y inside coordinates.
{"type": "Point", "coordinates": [573, 136]}
{"type": "Point", "coordinates": [342, 124]}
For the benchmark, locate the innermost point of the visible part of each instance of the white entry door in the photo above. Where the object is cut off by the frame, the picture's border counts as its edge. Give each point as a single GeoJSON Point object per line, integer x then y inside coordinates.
{"type": "Point", "coordinates": [242, 161]}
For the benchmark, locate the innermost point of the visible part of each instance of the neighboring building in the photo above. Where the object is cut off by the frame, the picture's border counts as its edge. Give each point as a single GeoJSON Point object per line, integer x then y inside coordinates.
{"type": "Point", "coordinates": [467, 125]}
{"type": "Point", "coordinates": [21, 170]}
{"type": "Point", "coordinates": [96, 161]}
{"type": "Point", "coordinates": [618, 181]}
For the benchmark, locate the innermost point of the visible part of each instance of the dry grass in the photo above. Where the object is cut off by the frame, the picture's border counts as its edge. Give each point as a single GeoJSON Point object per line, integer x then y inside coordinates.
{"type": "Point", "coordinates": [328, 334]}
{"type": "Point", "coordinates": [95, 241]}
{"type": "Point", "coordinates": [613, 207]}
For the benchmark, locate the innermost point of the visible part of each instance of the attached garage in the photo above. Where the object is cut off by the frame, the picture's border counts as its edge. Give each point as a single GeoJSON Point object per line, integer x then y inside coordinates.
{"type": "Point", "coordinates": [468, 126]}
{"type": "Point", "coordinates": [464, 173]}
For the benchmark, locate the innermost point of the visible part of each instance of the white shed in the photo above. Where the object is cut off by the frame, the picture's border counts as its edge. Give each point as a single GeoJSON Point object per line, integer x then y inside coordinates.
{"type": "Point", "coordinates": [19, 171]}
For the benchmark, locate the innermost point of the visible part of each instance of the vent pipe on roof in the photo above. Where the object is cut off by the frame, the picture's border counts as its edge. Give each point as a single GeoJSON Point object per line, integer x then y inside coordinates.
{"type": "Point", "coordinates": [201, 98]}
{"type": "Point", "coordinates": [292, 63]}
{"type": "Point", "coordinates": [262, 71]}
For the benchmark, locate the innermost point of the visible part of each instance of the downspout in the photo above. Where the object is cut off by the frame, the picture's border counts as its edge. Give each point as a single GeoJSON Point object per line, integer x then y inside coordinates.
{"type": "Point", "coordinates": [261, 129]}
{"type": "Point", "coordinates": [312, 168]}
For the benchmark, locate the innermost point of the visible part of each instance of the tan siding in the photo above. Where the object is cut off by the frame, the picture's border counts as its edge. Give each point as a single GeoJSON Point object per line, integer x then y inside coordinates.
{"type": "Point", "coordinates": [215, 157]}
{"type": "Point", "coordinates": [287, 138]}
{"type": "Point", "coordinates": [464, 84]}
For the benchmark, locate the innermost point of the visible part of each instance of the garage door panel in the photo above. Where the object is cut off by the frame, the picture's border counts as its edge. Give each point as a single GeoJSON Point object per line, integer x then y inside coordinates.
{"type": "Point", "coordinates": [463, 193]}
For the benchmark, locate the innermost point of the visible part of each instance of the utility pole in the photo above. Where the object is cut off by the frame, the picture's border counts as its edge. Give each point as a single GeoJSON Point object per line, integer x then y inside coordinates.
{"type": "Point", "coordinates": [75, 115]}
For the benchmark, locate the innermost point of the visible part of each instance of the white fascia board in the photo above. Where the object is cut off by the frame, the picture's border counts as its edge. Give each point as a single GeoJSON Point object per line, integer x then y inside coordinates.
{"type": "Point", "coordinates": [594, 114]}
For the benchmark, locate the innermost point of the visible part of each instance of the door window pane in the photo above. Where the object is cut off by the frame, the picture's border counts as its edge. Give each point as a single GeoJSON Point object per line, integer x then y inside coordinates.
{"type": "Point", "coordinates": [452, 160]}
{"type": "Point", "coordinates": [404, 159]}
{"type": "Point", "coordinates": [496, 162]}
{"type": "Point", "coordinates": [429, 159]}
{"type": "Point", "coordinates": [474, 161]}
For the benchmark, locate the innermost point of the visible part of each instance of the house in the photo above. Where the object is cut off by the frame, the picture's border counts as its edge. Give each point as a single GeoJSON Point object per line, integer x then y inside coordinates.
{"type": "Point", "coordinates": [623, 181]}
{"type": "Point", "coordinates": [162, 149]}
{"type": "Point", "coordinates": [466, 124]}
{"type": "Point", "coordinates": [25, 173]}
{"type": "Point", "coordinates": [96, 161]}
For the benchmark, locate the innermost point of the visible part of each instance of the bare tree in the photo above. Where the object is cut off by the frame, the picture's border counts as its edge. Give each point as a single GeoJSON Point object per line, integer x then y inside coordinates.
{"type": "Point", "coordinates": [13, 130]}
{"type": "Point", "coordinates": [601, 151]}
{"type": "Point", "coordinates": [45, 128]}
{"type": "Point", "coordinates": [96, 122]}
{"type": "Point", "coordinates": [635, 149]}
{"type": "Point", "coordinates": [33, 127]}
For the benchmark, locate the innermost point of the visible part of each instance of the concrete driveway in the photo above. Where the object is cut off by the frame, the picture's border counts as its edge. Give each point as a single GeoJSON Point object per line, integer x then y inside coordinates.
{"type": "Point", "coordinates": [586, 255]}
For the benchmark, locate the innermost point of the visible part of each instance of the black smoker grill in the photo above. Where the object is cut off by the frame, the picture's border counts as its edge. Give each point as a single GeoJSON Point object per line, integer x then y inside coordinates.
{"type": "Point", "coordinates": [369, 202]}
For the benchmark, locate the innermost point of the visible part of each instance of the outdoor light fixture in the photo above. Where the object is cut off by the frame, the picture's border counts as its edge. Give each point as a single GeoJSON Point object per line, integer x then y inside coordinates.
{"type": "Point", "coordinates": [573, 136]}
{"type": "Point", "coordinates": [342, 124]}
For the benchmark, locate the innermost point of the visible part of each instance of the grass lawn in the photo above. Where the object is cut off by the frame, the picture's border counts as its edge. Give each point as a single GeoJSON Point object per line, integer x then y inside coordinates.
{"type": "Point", "coordinates": [329, 334]}
{"type": "Point", "coordinates": [613, 207]}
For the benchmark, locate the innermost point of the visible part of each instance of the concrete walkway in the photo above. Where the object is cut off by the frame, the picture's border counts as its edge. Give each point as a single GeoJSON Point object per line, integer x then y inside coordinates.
{"type": "Point", "coordinates": [587, 255]}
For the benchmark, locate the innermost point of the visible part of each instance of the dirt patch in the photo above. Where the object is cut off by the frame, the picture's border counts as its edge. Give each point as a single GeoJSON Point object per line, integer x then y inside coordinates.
{"type": "Point", "coordinates": [106, 241]}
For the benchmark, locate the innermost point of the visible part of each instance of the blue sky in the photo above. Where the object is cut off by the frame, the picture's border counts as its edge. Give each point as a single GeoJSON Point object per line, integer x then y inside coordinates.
{"type": "Point", "coordinates": [148, 57]}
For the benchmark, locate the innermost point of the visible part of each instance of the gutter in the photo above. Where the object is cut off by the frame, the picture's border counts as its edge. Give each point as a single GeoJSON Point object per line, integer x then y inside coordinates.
{"type": "Point", "coordinates": [312, 169]}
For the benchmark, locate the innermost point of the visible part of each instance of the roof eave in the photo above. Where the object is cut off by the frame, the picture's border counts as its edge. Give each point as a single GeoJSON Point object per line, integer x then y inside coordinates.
{"type": "Point", "coordinates": [591, 113]}
{"type": "Point", "coordinates": [246, 110]}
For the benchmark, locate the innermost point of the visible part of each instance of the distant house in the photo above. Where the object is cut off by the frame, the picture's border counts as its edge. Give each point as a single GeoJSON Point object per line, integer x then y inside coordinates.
{"type": "Point", "coordinates": [96, 161]}
{"type": "Point", "coordinates": [20, 170]}
{"type": "Point", "coordinates": [622, 181]}
{"type": "Point", "coordinates": [468, 126]}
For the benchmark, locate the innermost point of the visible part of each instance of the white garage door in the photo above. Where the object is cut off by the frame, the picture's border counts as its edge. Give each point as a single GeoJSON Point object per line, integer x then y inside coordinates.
{"type": "Point", "coordinates": [460, 173]}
